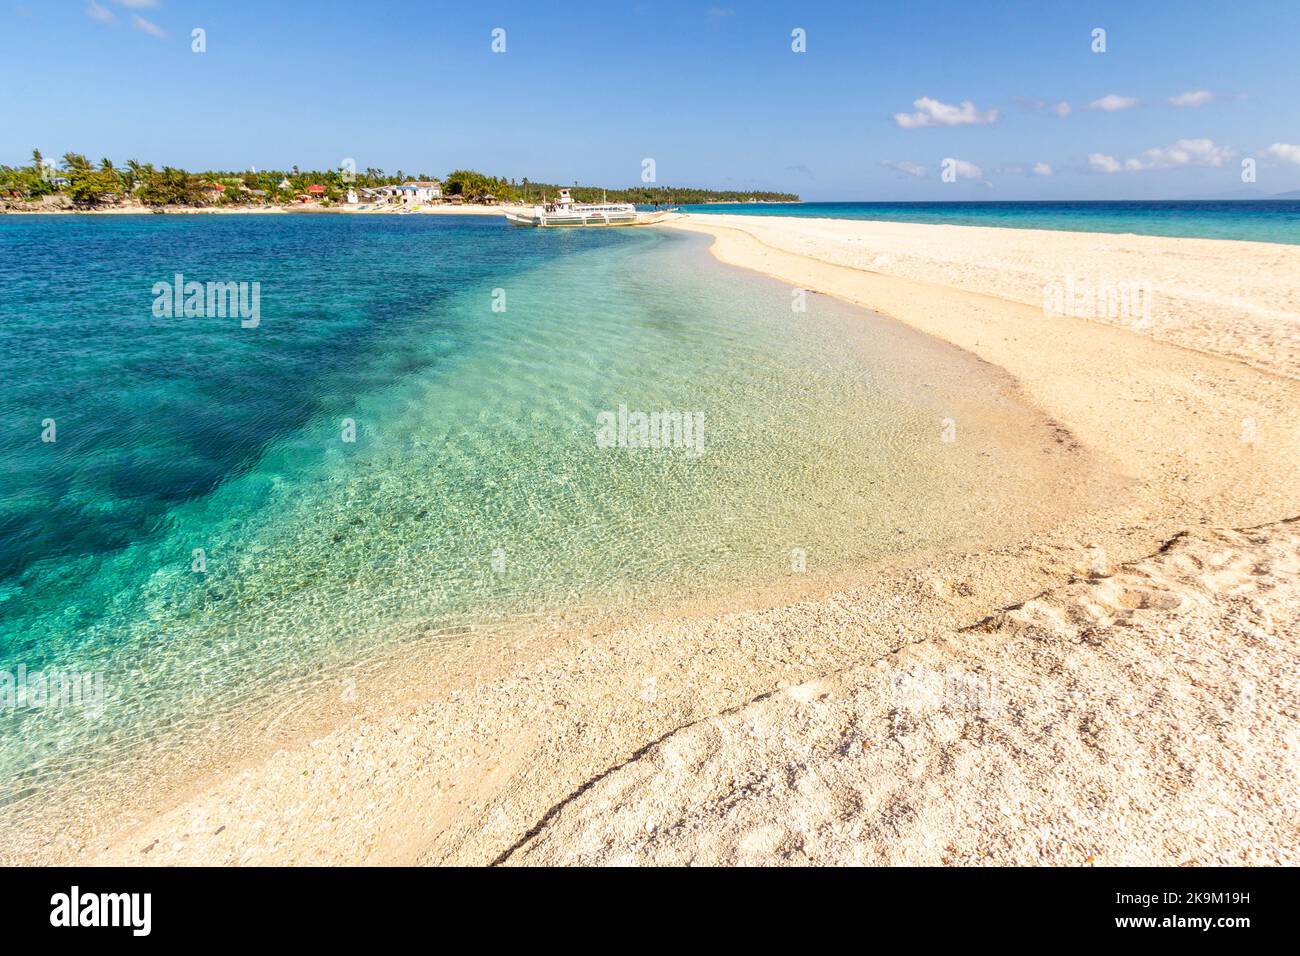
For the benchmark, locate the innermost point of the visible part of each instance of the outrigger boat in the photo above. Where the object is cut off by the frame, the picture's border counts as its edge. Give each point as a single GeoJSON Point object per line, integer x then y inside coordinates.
{"type": "Point", "coordinates": [566, 212]}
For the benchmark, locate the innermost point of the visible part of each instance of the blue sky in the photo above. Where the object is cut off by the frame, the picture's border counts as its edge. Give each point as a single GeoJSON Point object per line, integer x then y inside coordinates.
{"type": "Point", "coordinates": [712, 91]}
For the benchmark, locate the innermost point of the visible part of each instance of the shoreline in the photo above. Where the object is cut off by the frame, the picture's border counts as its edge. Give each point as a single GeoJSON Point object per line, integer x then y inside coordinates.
{"type": "Point", "coordinates": [466, 209]}
{"type": "Point", "coordinates": [490, 757]}
{"type": "Point", "coordinates": [1145, 279]}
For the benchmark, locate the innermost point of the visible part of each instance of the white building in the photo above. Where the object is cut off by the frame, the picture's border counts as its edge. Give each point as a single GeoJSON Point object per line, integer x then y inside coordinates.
{"type": "Point", "coordinates": [414, 193]}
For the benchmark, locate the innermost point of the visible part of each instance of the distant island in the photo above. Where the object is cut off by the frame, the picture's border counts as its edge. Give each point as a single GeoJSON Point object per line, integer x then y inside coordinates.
{"type": "Point", "coordinates": [76, 183]}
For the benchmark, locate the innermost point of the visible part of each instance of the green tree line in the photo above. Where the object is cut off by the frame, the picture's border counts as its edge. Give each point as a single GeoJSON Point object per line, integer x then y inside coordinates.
{"type": "Point", "coordinates": [650, 195]}
{"type": "Point", "coordinates": [89, 184]}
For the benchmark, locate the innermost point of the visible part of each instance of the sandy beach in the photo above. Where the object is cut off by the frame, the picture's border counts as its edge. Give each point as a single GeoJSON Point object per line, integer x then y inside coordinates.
{"type": "Point", "coordinates": [1238, 299]}
{"type": "Point", "coordinates": [1119, 689]}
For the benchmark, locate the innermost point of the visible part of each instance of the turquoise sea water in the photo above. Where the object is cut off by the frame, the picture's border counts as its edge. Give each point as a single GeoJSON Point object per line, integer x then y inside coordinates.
{"type": "Point", "coordinates": [477, 495]}
{"type": "Point", "coordinates": [1266, 220]}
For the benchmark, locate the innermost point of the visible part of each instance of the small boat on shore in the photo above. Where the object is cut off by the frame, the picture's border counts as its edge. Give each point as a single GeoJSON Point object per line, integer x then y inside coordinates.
{"type": "Point", "coordinates": [566, 212]}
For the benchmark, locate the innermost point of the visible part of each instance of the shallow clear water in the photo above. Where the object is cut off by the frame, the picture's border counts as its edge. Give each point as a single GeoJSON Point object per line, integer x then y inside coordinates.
{"type": "Point", "coordinates": [477, 494]}
{"type": "Point", "coordinates": [1265, 220]}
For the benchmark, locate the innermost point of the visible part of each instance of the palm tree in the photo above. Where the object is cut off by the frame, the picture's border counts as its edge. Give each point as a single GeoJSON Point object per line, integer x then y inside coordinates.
{"type": "Point", "coordinates": [75, 163]}
{"type": "Point", "coordinates": [133, 175]}
{"type": "Point", "coordinates": [38, 161]}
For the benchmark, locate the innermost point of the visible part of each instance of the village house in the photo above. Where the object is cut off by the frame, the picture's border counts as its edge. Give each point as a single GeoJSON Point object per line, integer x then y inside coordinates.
{"type": "Point", "coordinates": [315, 193]}
{"type": "Point", "coordinates": [414, 193]}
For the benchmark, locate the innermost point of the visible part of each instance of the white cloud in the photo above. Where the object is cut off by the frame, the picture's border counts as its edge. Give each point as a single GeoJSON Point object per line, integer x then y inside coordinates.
{"type": "Point", "coordinates": [934, 113]}
{"type": "Point", "coordinates": [138, 4]}
{"type": "Point", "coordinates": [102, 14]}
{"type": "Point", "coordinates": [148, 26]}
{"type": "Point", "coordinates": [1103, 163]}
{"type": "Point", "coordinates": [1285, 151]}
{"type": "Point", "coordinates": [1021, 169]}
{"type": "Point", "coordinates": [1112, 102]}
{"type": "Point", "coordinates": [1185, 152]}
{"type": "Point", "coordinates": [963, 169]}
{"type": "Point", "coordinates": [1191, 98]}
{"type": "Point", "coordinates": [903, 166]}
{"type": "Point", "coordinates": [1061, 109]}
